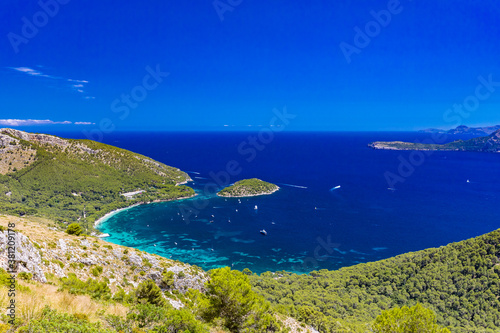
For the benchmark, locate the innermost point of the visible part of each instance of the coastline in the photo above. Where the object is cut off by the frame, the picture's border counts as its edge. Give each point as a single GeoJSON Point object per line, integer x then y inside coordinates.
{"type": "Point", "coordinates": [250, 195]}
{"type": "Point", "coordinates": [116, 211]}
{"type": "Point", "coordinates": [112, 213]}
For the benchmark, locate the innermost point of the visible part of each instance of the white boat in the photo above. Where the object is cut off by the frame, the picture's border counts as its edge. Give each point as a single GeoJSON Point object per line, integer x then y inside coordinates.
{"type": "Point", "coordinates": [256, 207]}
{"type": "Point", "coordinates": [263, 232]}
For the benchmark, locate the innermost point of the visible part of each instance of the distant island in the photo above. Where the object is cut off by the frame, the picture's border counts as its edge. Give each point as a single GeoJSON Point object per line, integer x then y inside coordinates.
{"type": "Point", "coordinates": [490, 144]}
{"type": "Point", "coordinates": [248, 188]}
{"type": "Point", "coordinates": [477, 131]}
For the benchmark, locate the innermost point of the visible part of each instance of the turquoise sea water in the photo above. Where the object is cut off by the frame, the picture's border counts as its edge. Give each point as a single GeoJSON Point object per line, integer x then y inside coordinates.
{"type": "Point", "coordinates": [449, 196]}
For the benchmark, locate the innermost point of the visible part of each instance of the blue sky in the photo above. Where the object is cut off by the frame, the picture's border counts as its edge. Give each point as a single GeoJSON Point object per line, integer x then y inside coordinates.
{"type": "Point", "coordinates": [231, 62]}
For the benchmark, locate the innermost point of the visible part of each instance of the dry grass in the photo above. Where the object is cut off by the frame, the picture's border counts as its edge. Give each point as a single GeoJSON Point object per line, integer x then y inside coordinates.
{"type": "Point", "coordinates": [31, 302]}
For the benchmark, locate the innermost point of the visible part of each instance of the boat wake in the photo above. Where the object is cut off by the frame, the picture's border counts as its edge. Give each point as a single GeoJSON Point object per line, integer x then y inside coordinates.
{"type": "Point", "coordinates": [297, 186]}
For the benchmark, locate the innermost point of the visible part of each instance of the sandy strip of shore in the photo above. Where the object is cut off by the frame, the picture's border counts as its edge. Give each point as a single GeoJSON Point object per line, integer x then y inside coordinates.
{"type": "Point", "coordinates": [116, 211]}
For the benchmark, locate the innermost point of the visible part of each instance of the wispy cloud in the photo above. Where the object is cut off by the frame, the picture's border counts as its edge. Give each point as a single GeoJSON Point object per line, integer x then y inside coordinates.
{"type": "Point", "coordinates": [33, 122]}
{"type": "Point", "coordinates": [75, 85]}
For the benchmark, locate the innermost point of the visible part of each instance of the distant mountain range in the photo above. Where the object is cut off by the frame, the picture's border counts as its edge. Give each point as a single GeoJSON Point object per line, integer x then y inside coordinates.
{"type": "Point", "coordinates": [489, 143]}
{"type": "Point", "coordinates": [479, 131]}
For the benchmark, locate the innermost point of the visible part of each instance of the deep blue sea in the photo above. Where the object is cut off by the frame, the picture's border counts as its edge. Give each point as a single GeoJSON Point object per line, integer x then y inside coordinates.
{"type": "Point", "coordinates": [448, 197]}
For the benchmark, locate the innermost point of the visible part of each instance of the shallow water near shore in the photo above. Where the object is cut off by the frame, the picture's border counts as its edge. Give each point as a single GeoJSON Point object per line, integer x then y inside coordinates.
{"type": "Point", "coordinates": [310, 225]}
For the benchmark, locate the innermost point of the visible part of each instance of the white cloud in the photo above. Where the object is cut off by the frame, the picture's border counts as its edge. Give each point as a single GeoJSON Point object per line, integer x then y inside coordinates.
{"type": "Point", "coordinates": [74, 85]}
{"type": "Point", "coordinates": [26, 70]}
{"type": "Point", "coordinates": [32, 122]}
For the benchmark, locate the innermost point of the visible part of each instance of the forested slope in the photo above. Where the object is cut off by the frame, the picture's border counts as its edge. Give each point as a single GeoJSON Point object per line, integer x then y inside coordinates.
{"type": "Point", "coordinates": [460, 282]}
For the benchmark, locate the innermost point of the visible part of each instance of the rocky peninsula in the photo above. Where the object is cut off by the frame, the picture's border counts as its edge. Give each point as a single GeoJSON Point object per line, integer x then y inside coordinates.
{"type": "Point", "coordinates": [490, 144]}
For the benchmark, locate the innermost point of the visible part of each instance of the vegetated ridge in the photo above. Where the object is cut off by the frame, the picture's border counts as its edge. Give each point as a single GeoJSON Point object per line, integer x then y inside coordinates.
{"type": "Point", "coordinates": [489, 144]}
{"type": "Point", "coordinates": [78, 180]}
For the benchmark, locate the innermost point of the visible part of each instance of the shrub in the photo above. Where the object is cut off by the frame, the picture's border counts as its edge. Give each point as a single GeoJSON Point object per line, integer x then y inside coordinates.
{"type": "Point", "coordinates": [149, 292]}
{"type": "Point", "coordinates": [416, 319]}
{"type": "Point", "coordinates": [58, 262]}
{"type": "Point", "coordinates": [231, 300]}
{"type": "Point", "coordinates": [74, 229]}
{"type": "Point", "coordinates": [96, 270]}
{"type": "Point", "coordinates": [167, 279]}
{"type": "Point", "coordinates": [122, 297]}
{"type": "Point", "coordinates": [53, 322]}
{"type": "Point", "coordinates": [145, 262]}
{"type": "Point", "coordinates": [25, 276]}
{"type": "Point", "coordinates": [181, 321]}
{"type": "Point", "coordinates": [94, 288]}
{"type": "Point", "coordinates": [152, 318]}
{"type": "Point", "coordinates": [5, 278]}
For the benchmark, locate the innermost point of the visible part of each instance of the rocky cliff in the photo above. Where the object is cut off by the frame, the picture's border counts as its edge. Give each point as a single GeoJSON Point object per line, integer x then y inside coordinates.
{"type": "Point", "coordinates": [41, 251]}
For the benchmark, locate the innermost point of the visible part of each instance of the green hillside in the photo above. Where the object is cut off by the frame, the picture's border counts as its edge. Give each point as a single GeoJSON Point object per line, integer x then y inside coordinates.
{"type": "Point", "coordinates": [78, 180]}
{"type": "Point", "coordinates": [460, 282]}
